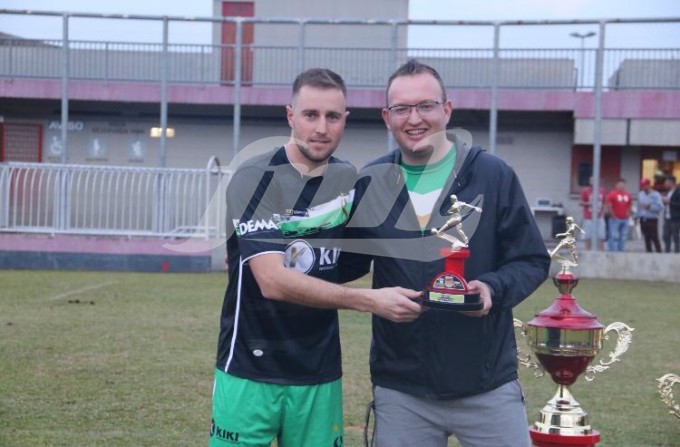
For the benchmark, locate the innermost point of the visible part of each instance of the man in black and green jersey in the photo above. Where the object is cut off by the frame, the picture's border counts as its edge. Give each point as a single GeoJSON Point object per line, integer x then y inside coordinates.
{"type": "Point", "coordinates": [278, 360]}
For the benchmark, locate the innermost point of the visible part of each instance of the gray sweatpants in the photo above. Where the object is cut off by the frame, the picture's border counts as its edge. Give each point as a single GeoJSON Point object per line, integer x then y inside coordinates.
{"type": "Point", "coordinates": [493, 419]}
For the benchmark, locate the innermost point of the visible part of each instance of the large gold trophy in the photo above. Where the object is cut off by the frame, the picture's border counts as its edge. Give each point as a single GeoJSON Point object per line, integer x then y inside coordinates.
{"type": "Point", "coordinates": [565, 339]}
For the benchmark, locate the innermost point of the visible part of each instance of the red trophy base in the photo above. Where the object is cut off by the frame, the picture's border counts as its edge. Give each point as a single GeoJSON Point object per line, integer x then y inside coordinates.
{"type": "Point", "coordinates": [554, 440]}
{"type": "Point", "coordinates": [449, 290]}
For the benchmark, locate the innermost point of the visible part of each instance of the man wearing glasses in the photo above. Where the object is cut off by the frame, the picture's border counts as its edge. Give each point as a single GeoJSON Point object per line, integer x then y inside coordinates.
{"type": "Point", "coordinates": [446, 372]}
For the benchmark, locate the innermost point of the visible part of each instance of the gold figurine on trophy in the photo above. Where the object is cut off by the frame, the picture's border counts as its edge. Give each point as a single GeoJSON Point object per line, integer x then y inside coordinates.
{"type": "Point", "coordinates": [568, 241]}
{"type": "Point", "coordinates": [455, 223]}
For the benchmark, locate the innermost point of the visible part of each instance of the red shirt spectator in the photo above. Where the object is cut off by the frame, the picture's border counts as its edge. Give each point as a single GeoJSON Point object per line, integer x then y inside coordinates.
{"type": "Point", "coordinates": [619, 201]}
{"type": "Point", "coordinates": [587, 204]}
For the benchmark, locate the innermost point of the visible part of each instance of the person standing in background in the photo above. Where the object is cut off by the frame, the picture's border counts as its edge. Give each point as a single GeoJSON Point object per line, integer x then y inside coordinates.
{"type": "Point", "coordinates": [588, 225]}
{"type": "Point", "coordinates": [671, 223]}
{"type": "Point", "coordinates": [650, 206]}
{"type": "Point", "coordinates": [618, 203]}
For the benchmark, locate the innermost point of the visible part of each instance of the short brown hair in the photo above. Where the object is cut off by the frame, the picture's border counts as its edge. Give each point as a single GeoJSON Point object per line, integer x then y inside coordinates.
{"type": "Point", "coordinates": [413, 67]}
{"type": "Point", "coordinates": [320, 78]}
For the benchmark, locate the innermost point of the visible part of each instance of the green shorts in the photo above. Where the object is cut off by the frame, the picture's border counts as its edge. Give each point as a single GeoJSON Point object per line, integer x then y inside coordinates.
{"type": "Point", "coordinates": [253, 414]}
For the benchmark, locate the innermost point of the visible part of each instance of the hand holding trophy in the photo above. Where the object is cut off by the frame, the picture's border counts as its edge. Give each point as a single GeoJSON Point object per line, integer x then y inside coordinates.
{"type": "Point", "coordinates": [449, 290]}
{"type": "Point", "coordinates": [566, 338]}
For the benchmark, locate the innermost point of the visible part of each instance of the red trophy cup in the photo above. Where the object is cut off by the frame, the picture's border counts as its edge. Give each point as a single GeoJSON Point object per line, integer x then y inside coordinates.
{"type": "Point", "coordinates": [449, 290]}
{"type": "Point", "coordinates": [565, 338]}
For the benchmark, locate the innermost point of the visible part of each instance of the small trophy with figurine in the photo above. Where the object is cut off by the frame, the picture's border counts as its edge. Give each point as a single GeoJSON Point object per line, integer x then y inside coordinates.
{"type": "Point", "coordinates": [449, 290]}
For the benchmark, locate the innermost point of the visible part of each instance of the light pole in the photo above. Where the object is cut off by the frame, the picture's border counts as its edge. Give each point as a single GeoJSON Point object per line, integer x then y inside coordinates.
{"type": "Point", "coordinates": [583, 37]}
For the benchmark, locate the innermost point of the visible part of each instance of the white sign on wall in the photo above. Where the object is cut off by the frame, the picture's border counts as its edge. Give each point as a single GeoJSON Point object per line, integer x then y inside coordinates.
{"type": "Point", "coordinates": [136, 150]}
{"type": "Point", "coordinates": [71, 126]}
{"type": "Point", "coordinates": [96, 149]}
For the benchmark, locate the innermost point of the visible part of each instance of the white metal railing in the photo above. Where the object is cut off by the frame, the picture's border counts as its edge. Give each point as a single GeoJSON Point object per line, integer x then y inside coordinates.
{"type": "Point", "coordinates": [112, 200]}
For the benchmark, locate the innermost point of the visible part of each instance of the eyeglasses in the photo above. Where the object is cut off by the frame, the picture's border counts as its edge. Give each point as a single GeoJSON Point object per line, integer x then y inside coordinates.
{"type": "Point", "coordinates": [423, 109]}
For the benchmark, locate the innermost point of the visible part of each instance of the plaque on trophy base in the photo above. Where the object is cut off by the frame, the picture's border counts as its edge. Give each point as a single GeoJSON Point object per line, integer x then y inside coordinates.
{"type": "Point", "coordinates": [449, 290]}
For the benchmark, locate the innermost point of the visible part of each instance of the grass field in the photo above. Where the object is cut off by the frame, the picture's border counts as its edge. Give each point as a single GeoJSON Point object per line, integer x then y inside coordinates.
{"type": "Point", "coordinates": [123, 359]}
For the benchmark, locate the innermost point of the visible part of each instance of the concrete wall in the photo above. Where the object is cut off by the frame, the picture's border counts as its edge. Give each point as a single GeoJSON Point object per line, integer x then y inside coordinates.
{"type": "Point", "coordinates": [613, 131]}
{"type": "Point", "coordinates": [123, 142]}
{"type": "Point", "coordinates": [648, 73]}
{"type": "Point", "coordinates": [359, 51]}
{"type": "Point", "coordinates": [129, 62]}
{"type": "Point", "coordinates": [655, 132]}
{"type": "Point", "coordinates": [348, 9]}
{"type": "Point", "coordinates": [621, 132]}
{"type": "Point", "coordinates": [626, 266]}
{"type": "Point", "coordinates": [67, 252]}
{"type": "Point", "coordinates": [540, 157]}
{"type": "Point", "coordinates": [515, 72]}
{"type": "Point", "coordinates": [630, 167]}
{"type": "Point", "coordinates": [353, 36]}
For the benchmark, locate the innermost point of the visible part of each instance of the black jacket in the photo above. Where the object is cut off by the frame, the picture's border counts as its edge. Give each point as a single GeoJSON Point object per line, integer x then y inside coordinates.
{"type": "Point", "coordinates": [446, 354]}
{"type": "Point", "coordinates": [674, 205]}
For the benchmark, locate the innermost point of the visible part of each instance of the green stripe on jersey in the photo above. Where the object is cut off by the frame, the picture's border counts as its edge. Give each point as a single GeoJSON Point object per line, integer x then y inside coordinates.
{"type": "Point", "coordinates": [425, 184]}
{"type": "Point", "coordinates": [321, 217]}
{"type": "Point", "coordinates": [427, 178]}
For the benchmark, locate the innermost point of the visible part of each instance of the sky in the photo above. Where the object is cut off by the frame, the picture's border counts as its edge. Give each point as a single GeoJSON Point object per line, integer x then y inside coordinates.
{"type": "Point", "coordinates": [617, 36]}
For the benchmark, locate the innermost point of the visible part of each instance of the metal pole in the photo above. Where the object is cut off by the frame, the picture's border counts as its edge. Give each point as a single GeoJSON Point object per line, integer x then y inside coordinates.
{"type": "Point", "coordinates": [597, 137]}
{"type": "Point", "coordinates": [237, 86]}
{"type": "Point", "coordinates": [10, 69]}
{"type": "Point", "coordinates": [495, 79]}
{"type": "Point", "coordinates": [61, 206]}
{"type": "Point", "coordinates": [301, 47]}
{"type": "Point", "coordinates": [164, 93]}
{"type": "Point", "coordinates": [106, 62]}
{"type": "Point", "coordinates": [393, 61]}
{"type": "Point", "coordinates": [583, 61]}
{"type": "Point", "coordinates": [394, 47]}
{"type": "Point", "coordinates": [64, 89]}
{"type": "Point", "coordinates": [203, 80]}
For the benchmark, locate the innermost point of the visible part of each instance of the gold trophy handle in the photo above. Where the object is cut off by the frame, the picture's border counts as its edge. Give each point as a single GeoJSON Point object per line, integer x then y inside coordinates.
{"type": "Point", "coordinates": [525, 359]}
{"type": "Point", "coordinates": [665, 388]}
{"type": "Point", "coordinates": [623, 342]}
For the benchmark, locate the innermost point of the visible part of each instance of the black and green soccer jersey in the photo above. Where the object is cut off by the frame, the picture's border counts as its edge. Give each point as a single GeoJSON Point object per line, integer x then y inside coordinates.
{"type": "Point", "coordinates": [273, 208]}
